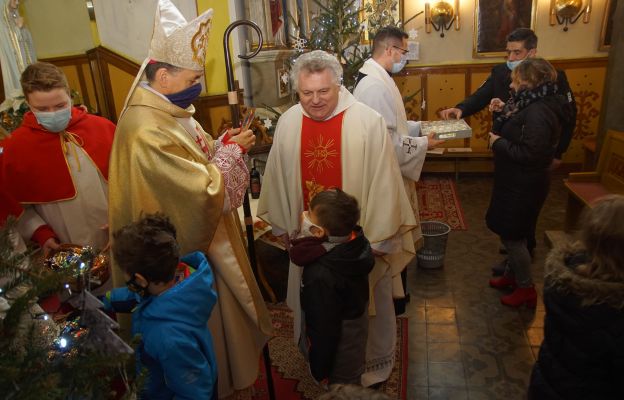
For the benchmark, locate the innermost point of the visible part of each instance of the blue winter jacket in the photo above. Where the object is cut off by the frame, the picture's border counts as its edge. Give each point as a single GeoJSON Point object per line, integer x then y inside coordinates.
{"type": "Point", "coordinates": [176, 345]}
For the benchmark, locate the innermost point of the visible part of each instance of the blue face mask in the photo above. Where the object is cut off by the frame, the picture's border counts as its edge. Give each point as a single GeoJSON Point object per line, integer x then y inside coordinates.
{"type": "Point", "coordinates": [513, 64]}
{"type": "Point", "coordinates": [54, 121]}
{"type": "Point", "coordinates": [397, 67]}
{"type": "Point", "coordinates": [184, 98]}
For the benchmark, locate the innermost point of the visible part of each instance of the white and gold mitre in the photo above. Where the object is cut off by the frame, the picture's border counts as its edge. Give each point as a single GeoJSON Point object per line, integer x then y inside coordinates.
{"type": "Point", "coordinates": [178, 42]}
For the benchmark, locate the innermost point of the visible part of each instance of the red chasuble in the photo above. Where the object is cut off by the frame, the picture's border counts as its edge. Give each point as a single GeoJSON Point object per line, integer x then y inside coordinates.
{"type": "Point", "coordinates": [321, 167]}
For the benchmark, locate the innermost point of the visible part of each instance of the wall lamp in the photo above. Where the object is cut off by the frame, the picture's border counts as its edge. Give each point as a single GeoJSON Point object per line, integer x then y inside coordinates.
{"type": "Point", "coordinates": [441, 16]}
{"type": "Point", "coordinates": [567, 12]}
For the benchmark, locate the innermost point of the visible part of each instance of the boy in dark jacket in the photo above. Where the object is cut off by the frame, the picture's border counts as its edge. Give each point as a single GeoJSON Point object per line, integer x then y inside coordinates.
{"type": "Point", "coordinates": [171, 317]}
{"type": "Point", "coordinates": [337, 258]}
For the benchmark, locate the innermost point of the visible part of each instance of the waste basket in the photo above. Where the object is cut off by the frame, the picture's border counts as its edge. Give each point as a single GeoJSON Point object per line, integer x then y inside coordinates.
{"type": "Point", "coordinates": [435, 235]}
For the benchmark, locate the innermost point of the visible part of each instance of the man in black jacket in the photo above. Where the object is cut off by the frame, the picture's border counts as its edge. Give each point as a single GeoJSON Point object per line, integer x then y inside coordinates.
{"type": "Point", "coordinates": [521, 44]}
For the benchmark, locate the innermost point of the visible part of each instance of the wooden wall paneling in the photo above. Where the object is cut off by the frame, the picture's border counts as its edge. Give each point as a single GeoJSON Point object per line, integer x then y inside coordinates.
{"type": "Point", "coordinates": [587, 84]}
{"type": "Point", "coordinates": [586, 78]}
{"type": "Point", "coordinates": [120, 82]}
{"type": "Point", "coordinates": [480, 122]}
{"type": "Point", "coordinates": [100, 59]}
{"type": "Point", "coordinates": [211, 121]}
{"type": "Point", "coordinates": [444, 90]}
{"type": "Point", "coordinates": [410, 85]}
{"type": "Point", "coordinates": [218, 114]}
{"type": "Point", "coordinates": [89, 82]}
{"type": "Point", "coordinates": [74, 69]}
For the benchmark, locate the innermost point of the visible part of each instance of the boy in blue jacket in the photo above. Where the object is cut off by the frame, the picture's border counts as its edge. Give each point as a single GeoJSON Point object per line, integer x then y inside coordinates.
{"type": "Point", "coordinates": [171, 317]}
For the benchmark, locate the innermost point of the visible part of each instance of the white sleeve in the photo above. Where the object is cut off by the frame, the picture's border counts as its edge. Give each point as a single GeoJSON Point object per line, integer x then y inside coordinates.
{"type": "Point", "coordinates": [389, 246]}
{"type": "Point", "coordinates": [413, 128]}
{"type": "Point", "coordinates": [411, 153]}
{"type": "Point", "coordinates": [410, 150]}
{"type": "Point", "coordinates": [376, 96]}
{"type": "Point", "coordinates": [28, 222]}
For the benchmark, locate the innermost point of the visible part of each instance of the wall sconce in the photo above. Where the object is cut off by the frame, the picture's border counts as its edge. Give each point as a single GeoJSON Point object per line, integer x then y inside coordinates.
{"type": "Point", "coordinates": [441, 16]}
{"type": "Point", "coordinates": [567, 12]}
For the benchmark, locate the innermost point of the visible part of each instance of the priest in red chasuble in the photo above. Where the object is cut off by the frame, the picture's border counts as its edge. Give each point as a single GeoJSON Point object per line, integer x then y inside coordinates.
{"type": "Point", "coordinates": [54, 167]}
{"type": "Point", "coordinates": [330, 140]}
{"type": "Point", "coordinates": [162, 160]}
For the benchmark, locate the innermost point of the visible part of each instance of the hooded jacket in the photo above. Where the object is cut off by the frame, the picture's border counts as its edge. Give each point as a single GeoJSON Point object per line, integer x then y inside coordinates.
{"type": "Point", "coordinates": [582, 355]}
{"type": "Point", "coordinates": [334, 288]}
{"type": "Point", "coordinates": [176, 345]}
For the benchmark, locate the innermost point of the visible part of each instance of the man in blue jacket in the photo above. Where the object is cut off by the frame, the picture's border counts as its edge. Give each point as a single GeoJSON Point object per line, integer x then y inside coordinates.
{"type": "Point", "coordinates": [169, 312]}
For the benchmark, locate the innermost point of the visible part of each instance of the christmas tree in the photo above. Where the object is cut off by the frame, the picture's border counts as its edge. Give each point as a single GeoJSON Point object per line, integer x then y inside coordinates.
{"type": "Point", "coordinates": [76, 357]}
{"type": "Point", "coordinates": [339, 29]}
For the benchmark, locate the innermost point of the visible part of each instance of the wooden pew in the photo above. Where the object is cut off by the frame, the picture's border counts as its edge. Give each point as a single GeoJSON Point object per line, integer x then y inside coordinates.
{"type": "Point", "coordinates": [584, 188]}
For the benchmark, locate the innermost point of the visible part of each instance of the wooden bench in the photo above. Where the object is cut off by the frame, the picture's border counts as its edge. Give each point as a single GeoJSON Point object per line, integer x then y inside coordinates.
{"type": "Point", "coordinates": [584, 188]}
{"type": "Point", "coordinates": [456, 162]}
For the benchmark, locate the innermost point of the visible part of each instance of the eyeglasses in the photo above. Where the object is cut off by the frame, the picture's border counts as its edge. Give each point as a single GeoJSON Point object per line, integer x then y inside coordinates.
{"type": "Point", "coordinates": [403, 51]}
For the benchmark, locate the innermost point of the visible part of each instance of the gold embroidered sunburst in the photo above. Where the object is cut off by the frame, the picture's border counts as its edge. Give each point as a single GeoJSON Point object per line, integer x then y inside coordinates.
{"type": "Point", "coordinates": [313, 189]}
{"type": "Point", "coordinates": [320, 154]}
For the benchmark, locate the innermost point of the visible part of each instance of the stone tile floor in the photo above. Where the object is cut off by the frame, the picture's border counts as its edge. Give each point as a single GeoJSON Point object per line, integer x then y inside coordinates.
{"type": "Point", "coordinates": [463, 344]}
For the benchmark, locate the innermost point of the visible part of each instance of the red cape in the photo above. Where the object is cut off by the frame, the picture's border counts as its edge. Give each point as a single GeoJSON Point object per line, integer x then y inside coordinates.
{"type": "Point", "coordinates": [33, 168]}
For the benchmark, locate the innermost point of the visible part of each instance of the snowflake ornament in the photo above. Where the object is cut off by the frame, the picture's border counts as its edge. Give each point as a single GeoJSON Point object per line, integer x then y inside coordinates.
{"type": "Point", "coordinates": [413, 34]}
{"type": "Point", "coordinates": [284, 78]}
{"type": "Point", "coordinates": [300, 44]}
{"type": "Point", "coordinates": [267, 123]}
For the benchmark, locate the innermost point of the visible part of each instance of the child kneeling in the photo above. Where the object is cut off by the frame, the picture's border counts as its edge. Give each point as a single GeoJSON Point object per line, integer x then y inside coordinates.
{"type": "Point", "coordinates": [337, 258]}
{"type": "Point", "coordinates": [171, 317]}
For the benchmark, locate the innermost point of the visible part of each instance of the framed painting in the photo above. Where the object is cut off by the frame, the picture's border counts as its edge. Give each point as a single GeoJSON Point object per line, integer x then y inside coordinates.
{"type": "Point", "coordinates": [607, 25]}
{"type": "Point", "coordinates": [495, 19]}
{"type": "Point", "coordinates": [379, 13]}
{"type": "Point", "coordinates": [270, 17]}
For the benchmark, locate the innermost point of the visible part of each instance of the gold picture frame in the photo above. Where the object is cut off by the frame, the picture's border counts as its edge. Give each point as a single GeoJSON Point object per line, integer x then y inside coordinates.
{"type": "Point", "coordinates": [495, 19]}
{"type": "Point", "coordinates": [397, 14]}
{"type": "Point", "coordinates": [607, 25]}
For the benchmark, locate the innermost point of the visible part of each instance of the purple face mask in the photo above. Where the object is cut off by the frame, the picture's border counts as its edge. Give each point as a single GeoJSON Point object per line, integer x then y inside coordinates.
{"type": "Point", "coordinates": [184, 98]}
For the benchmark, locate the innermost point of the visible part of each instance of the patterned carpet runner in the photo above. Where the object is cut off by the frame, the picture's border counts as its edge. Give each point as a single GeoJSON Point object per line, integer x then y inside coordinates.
{"type": "Point", "coordinates": [438, 201]}
{"type": "Point", "coordinates": [290, 371]}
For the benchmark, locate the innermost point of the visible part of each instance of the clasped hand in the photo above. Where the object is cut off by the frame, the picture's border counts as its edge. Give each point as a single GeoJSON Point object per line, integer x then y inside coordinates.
{"type": "Point", "coordinates": [245, 139]}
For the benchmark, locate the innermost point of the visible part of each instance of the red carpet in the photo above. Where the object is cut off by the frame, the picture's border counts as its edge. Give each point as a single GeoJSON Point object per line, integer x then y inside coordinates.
{"type": "Point", "coordinates": [438, 201]}
{"type": "Point", "coordinates": [290, 372]}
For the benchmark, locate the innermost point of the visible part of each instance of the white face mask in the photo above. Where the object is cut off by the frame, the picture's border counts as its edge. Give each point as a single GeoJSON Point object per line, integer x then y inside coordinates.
{"type": "Point", "coordinates": [306, 226]}
{"type": "Point", "coordinates": [397, 67]}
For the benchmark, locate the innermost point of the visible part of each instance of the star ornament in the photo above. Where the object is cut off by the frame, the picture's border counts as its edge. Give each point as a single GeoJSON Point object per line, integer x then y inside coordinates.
{"type": "Point", "coordinates": [267, 123]}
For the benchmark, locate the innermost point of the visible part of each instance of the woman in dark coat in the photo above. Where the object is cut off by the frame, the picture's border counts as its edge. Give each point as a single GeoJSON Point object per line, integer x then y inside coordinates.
{"type": "Point", "coordinates": [582, 355]}
{"type": "Point", "coordinates": [524, 138]}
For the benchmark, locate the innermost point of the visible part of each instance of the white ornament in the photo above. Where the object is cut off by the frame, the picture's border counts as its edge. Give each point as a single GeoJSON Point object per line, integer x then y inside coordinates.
{"type": "Point", "coordinates": [267, 123]}
{"type": "Point", "coordinates": [300, 44]}
{"type": "Point", "coordinates": [285, 78]}
{"type": "Point", "coordinates": [413, 34]}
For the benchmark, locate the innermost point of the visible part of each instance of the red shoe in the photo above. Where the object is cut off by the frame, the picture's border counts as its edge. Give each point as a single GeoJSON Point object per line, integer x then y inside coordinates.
{"type": "Point", "coordinates": [503, 282]}
{"type": "Point", "coordinates": [521, 296]}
